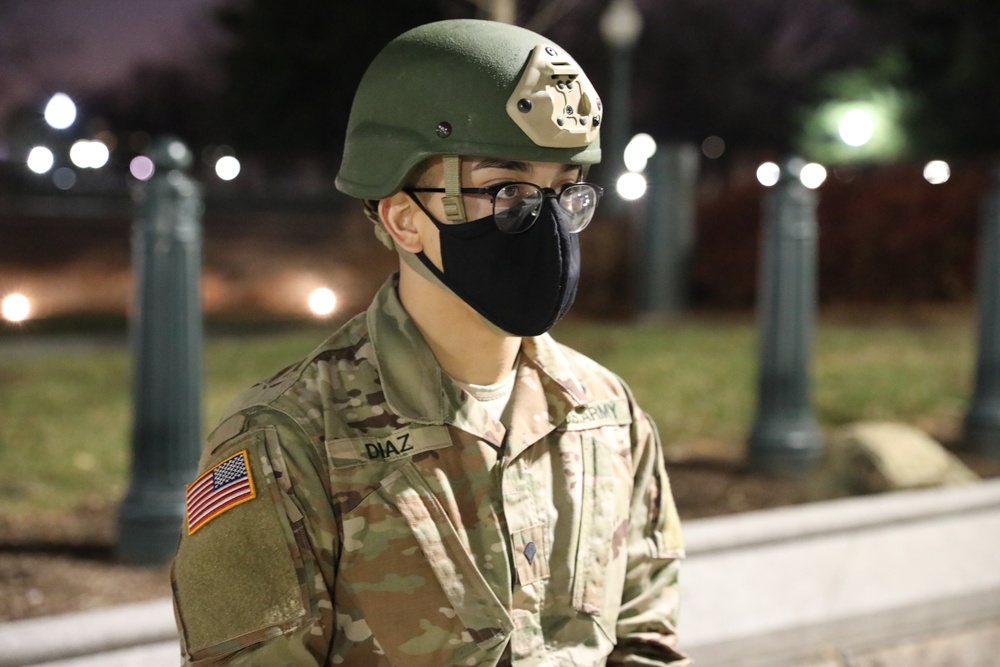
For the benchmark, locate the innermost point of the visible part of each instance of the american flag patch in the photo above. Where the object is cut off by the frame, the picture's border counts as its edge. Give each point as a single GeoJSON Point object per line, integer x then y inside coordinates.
{"type": "Point", "coordinates": [223, 487]}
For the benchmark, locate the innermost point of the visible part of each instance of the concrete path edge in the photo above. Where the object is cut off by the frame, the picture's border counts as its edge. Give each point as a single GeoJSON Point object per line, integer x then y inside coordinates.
{"type": "Point", "coordinates": [50, 638]}
{"type": "Point", "coordinates": [67, 636]}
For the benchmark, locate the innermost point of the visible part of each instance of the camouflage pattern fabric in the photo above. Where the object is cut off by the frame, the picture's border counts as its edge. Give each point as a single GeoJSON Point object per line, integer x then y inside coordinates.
{"type": "Point", "coordinates": [396, 522]}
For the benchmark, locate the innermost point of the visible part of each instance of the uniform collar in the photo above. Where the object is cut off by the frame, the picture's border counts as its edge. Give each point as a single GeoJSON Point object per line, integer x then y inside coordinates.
{"type": "Point", "coordinates": [417, 389]}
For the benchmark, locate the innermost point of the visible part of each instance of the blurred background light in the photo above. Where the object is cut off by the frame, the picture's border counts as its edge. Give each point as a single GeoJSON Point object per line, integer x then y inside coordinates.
{"type": "Point", "coordinates": [621, 23]}
{"type": "Point", "coordinates": [141, 167]}
{"type": "Point", "coordinates": [713, 147]}
{"type": "Point", "coordinates": [631, 186]}
{"type": "Point", "coordinates": [638, 151]}
{"type": "Point", "coordinates": [322, 301]}
{"type": "Point", "coordinates": [768, 174]}
{"type": "Point", "coordinates": [40, 159]}
{"type": "Point", "coordinates": [812, 175]}
{"type": "Point", "coordinates": [87, 154]}
{"type": "Point", "coordinates": [178, 151]}
{"type": "Point", "coordinates": [937, 172]}
{"type": "Point", "coordinates": [60, 112]}
{"type": "Point", "coordinates": [856, 127]}
{"type": "Point", "coordinates": [64, 178]}
{"type": "Point", "coordinates": [227, 167]}
{"type": "Point", "coordinates": [15, 308]}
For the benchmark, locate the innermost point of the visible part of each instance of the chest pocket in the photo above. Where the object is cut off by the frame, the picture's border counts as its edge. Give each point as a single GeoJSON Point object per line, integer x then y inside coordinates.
{"type": "Point", "coordinates": [405, 566]}
{"type": "Point", "coordinates": [601, 559]}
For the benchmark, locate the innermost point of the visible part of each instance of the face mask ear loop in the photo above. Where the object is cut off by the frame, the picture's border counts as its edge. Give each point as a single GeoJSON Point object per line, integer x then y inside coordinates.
{"type": "Point", "coordinates": [454, 206]}
{"type": "Point", "coordinates": [419, 262]}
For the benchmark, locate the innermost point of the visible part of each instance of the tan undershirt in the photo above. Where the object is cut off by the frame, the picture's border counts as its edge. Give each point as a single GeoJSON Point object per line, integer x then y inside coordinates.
{"type": "Point", "coordinates": [494, 397]}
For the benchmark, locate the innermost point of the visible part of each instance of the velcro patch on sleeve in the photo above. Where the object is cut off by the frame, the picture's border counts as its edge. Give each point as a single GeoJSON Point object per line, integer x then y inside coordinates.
{"type": "Point", "coordinates": [221, 488]}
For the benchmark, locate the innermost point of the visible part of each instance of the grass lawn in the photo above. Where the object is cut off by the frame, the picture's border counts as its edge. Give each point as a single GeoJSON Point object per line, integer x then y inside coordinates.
{"type": "Point", "coordinates": [65, 412]}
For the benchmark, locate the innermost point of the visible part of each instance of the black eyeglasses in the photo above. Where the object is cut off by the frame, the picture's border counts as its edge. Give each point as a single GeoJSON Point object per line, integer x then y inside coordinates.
{"type": "Point", "coordinates": [516, 205]}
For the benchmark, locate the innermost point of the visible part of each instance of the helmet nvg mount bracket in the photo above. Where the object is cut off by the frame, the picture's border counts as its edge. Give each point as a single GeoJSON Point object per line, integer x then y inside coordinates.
{"type": "Point", "coordinates": [467, 87]}
{"type": "Point", "coordinates": [554, 104]}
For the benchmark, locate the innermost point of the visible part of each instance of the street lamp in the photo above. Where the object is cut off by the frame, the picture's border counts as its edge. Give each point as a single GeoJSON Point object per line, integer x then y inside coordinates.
{"type": "Point", "coordinates": [620, 27]}
{"type": "Point", "coordinates": [60, 112]}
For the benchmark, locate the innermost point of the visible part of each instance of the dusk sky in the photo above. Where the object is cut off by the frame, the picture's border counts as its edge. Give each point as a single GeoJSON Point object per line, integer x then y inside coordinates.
{"type": "Point", "coordinates": [80, 45]}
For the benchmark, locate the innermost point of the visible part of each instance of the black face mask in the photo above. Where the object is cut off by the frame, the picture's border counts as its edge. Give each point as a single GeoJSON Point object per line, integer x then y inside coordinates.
{"type": "Point", "coordinates": [523, 283]}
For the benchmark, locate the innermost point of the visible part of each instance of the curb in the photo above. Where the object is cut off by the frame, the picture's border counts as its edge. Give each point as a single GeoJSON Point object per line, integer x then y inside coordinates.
{"type": "Point", "coordinates": [847, 577]}
{"type": "Point", "coordinates": [774, 587]}
{"type": "Point", "coordinates": [40, 640]}
{"type": "Point", "coordinates": [784, 524]}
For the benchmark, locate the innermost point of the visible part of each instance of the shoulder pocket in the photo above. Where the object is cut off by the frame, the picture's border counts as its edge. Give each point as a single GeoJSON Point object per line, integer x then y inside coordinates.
{"type": "Point", "coordinates": [238, 579]}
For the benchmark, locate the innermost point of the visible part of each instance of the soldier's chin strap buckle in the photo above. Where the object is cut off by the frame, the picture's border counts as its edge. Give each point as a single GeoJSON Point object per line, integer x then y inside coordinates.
{"type": "Point", "coordinates": [454, 206]}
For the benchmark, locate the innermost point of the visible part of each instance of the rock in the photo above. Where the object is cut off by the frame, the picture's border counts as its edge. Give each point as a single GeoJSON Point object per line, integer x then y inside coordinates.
{"type": "Point", "coordinates": [874, 457]}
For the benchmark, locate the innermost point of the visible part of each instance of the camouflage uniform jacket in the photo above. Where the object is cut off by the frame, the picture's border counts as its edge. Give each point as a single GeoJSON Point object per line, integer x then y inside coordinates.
{"type": "Point", "coordinates": [385, 518]}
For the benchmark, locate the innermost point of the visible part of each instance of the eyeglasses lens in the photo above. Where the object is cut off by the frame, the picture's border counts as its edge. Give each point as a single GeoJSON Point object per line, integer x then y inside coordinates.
{"type": "Point", "coordinates": [579, 200]}
{"type": "Point", "coordinates": [516, 206]}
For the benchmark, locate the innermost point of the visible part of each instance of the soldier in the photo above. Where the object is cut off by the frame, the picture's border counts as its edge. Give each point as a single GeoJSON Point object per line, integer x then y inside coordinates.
{"type": "Point", "coordinates": [440, 482]}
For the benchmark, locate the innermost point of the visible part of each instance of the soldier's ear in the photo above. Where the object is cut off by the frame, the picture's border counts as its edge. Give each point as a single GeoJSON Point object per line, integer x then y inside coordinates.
{"type": "Point", "coordinates": [397, 213]}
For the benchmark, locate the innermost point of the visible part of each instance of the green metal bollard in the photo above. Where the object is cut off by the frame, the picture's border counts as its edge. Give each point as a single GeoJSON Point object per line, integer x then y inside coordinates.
{"type": "Point", "coordinates": [166, 336]}
{"type": "Point", "coordinates": [785, 439]}
{"type": "Point", "coordinates": [982, 421]}
{"type": "Point", "coordinates": [669, 231]}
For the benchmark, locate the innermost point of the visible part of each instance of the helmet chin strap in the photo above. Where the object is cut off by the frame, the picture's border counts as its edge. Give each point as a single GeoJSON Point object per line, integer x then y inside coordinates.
{"type": "Point", "coordinates": [412, 261]}
{"type": "Point", "coordinates": [454, 208]}
{"type": "Point", "coordinates": [454, 205]}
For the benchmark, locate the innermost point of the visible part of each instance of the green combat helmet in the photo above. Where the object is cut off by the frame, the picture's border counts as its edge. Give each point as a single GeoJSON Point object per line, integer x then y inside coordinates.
{"type": "Point", "coordinates": [466, 87]}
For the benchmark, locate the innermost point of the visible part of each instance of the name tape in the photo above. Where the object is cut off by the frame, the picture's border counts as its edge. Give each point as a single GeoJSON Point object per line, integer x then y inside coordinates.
{"type": "Point", "coordinates": [611, 412]}
{"type": "Point", "coordinates": [405, 442]}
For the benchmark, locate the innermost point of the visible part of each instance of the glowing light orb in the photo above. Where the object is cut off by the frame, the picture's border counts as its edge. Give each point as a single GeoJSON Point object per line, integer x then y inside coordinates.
{"type": "Point", "coordinates": [227, 167]}
{"type": "Point", "coordinates": [856, 127]}
{"type": "Point", "coordinates": [322, 302]}
{"type": "Point", "coordinates": [60, 112]}
{"type": "Point", "coordinates": [812, 175]}
{"type": "Point", "coordinates": [631, 186]}
{"type": "Point", "coordinates": [15, 308]}
{"type": "Point", "coordinates": [141, 167]}
{"type": "Point", "coordinates": [639, 150]}
{"type": "Point", "coordinates": [40, 159]}
{"type": "Point", "coordinates": [87, 154]}
{"type": "Point", "coordinates": [768, 174]}
{"type": "Point", "coordinates": [937, 172]}
{"type": "Point", "coordinates": [178, 151]}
